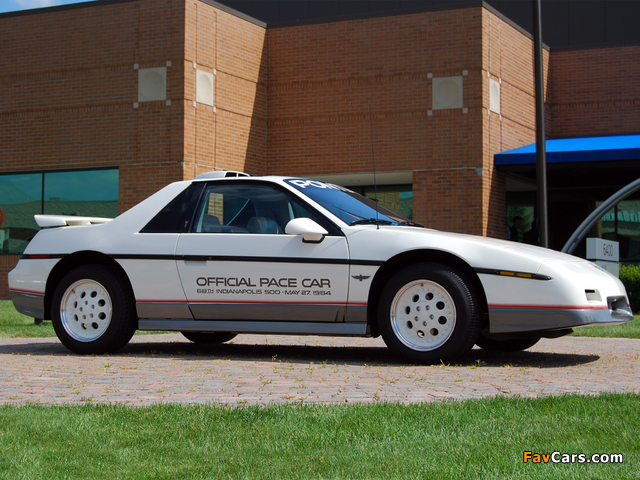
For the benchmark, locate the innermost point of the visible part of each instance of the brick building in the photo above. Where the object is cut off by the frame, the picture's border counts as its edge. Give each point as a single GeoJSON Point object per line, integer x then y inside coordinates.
{"type": "Point", "coordinates": [104, 103]}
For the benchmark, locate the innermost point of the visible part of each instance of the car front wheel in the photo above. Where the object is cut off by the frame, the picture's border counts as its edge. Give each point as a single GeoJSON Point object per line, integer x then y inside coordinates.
{"type": "Point", "coordinates": [93, 311]}
{"type": "Point", "coordinates": [429, 313]}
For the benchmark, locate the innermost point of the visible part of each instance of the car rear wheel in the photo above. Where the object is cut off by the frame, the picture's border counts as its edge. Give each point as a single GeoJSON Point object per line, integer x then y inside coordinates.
{"type": "Point", "coordinates": [93, 311]}
{"type": "Point", "coordinates": [210, 338]}
{"type": "Point", "coordinates": [429, 313]}
{"type": "Point", "coordinates": [514, 345]}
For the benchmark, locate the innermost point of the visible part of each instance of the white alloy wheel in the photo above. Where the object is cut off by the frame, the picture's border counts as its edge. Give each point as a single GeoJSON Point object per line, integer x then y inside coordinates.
{"type": "Point", "coordinates": [93, 310]}
{"type": "Point", "coordinates": [86, 310]}
{"type": "Point", "coordinates": [423, 315]}
{"type": "Point", "coordinates": [428, 312]}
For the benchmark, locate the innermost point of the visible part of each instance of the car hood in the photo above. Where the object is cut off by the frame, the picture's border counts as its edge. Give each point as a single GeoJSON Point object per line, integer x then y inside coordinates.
{"type": "Point", "coordinates": [479, 252]}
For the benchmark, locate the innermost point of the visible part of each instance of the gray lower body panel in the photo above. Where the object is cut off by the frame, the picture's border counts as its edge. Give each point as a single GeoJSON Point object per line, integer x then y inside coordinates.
{"type": "Point", "coordinates": [511, 320]}
{"type": "Point", "coordinates": [31, 304]}
{"type": "Point", "coordinates": [247, 311]}
{"type": "Point", "coordinates": [163, 310]}
{"type": "Point", "coordinates": [289, 328]}
{"type": "Point", "coordinates": [262, 311]}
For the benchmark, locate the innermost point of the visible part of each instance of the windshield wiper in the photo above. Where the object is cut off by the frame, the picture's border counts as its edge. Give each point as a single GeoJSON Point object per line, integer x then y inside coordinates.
{"type": "Point", "coordinates": [370, 221]}
{"type": "Point", "coordinates": [410, 223]}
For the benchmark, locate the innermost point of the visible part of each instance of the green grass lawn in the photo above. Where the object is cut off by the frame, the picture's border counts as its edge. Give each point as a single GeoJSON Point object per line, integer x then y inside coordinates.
{"type": "Point", "coordinates": [473, 439]}
{"type": "Point", "coordinates": [14, 324]}
{"type": "Point", "coordinates": [626, 330]}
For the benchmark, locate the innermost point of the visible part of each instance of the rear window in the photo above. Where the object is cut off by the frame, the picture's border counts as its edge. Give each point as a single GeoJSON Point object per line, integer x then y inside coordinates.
{"type": "Point", "coordinates": [177, 215]}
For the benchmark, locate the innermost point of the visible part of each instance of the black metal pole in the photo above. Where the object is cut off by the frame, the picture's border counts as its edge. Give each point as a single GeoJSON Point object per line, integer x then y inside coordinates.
{"type": "Point", "coordinates": [541, 156]}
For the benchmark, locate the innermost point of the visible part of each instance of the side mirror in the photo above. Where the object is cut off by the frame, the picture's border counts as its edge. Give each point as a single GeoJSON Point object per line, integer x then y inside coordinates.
{"type": "Point", "coordinates": [311, 232]}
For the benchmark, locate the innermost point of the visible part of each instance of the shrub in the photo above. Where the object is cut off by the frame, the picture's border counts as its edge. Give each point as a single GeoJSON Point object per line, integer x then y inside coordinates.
{"type": "Point", "coordinates": [630, 277]}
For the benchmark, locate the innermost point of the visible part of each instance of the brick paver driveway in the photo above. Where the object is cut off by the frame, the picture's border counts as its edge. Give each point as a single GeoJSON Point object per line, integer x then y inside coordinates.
{"type": "Point", "coordinates": [275, 369]}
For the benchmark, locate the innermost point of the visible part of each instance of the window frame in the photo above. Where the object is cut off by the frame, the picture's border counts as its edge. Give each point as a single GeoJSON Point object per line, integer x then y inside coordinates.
{"type": "Point", "coordinates": [322, 220]}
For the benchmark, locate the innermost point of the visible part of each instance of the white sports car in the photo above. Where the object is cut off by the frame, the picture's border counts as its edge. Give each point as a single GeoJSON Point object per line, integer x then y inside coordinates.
{"type": "Point", "coordinates": [227, 253]}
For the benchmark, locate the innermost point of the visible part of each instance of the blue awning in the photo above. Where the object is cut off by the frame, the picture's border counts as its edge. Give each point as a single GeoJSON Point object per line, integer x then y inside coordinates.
{"type": "Point", "coordinates": [583, 149]}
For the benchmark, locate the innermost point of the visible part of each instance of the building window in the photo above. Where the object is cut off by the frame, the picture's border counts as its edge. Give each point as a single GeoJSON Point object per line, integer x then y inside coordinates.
{"type": "Point", "coordinates": [622, 224]}
{"type": "Point", "coordinates": [72, 192]}
{"type": "Point", "coordinates": [398, 198]}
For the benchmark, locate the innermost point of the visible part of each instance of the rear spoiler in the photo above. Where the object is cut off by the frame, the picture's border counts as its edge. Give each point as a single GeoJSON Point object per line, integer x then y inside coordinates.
{"type": "Point", "coordinates": [67, 220]}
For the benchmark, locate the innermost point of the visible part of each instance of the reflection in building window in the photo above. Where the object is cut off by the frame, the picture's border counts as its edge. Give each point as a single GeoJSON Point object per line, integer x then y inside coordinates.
{"type": "Point", "coordinates": [80, 192]}
{"type": "Point", "coordinates": [20, 200]}
{"type": "Point", "coordinates": [92, 193]}
{"type": "Point", "coordinates": [398, 198]}
{"type": "Point", "coordinates": [527, 214]}
{"type": "Point", "coordinates": [622, 224]}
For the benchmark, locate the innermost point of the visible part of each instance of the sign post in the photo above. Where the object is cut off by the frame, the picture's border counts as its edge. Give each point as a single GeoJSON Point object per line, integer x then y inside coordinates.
{"type": "Point", "coordinates": [604, 253]}
{"type": "Point", "coordinates": [541, 154]}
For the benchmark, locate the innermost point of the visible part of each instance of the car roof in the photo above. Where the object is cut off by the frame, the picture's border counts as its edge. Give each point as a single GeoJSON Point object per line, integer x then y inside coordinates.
{"type": "Point", "coordinates": [233, 175]}
{"type": "Point", "coordinates": [221, 174]}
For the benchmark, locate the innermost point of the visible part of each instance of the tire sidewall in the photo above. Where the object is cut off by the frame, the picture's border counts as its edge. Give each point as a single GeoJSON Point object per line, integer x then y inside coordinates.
{"type": "Point", "coordinates": [122, 324]}
{"type": "Point", "coordinates": [467, 322]}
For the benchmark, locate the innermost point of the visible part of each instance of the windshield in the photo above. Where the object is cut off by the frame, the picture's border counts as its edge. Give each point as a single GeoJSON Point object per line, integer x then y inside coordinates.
{"type": "Point", "coordinates": [348, 206]}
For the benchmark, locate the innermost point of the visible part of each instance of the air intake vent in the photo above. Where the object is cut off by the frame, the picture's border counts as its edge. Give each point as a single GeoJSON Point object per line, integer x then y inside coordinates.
{"type": "Point", "coordinates": [593, 295]}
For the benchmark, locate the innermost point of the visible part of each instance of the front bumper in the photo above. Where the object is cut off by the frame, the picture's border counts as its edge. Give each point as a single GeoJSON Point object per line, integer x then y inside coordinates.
{"type": "Point", "coordinates": [509, 319]}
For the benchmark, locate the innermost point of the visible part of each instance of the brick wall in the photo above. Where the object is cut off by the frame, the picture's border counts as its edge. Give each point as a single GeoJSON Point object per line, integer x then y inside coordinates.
{"type": "Point", "coordinates": [324, 77]}
{"type": "Point", "coordinates": [69, 87]}
{"type": "Point", "coordinates": [595, 92]}
{"type": "Point", "coordinates": [508, 60]}
{"type": "Point", "coordinates": [234, 136]}
{"type": "Point", "coordinates": [7, 263]}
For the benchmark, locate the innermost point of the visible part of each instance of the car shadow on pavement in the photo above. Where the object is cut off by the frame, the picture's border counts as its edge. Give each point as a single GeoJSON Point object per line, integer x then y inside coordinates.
{"type": "Point", "coordinates": [529, 359]}
{"type": "Point", "coordinates": [305, 354]}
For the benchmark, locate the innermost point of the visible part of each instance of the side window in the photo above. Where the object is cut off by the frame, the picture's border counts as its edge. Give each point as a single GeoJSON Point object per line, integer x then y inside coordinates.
{"type": "Point", "coordinates": [242, 208]}
{"type": "Point", "coordinates": [248, 208]}
{"type": "Point", "coordinates": [176, 216]}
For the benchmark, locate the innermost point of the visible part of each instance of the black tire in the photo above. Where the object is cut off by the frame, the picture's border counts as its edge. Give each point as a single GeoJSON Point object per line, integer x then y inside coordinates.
{"type": "Point", "coordinates": [209, 338]}
{"type": "Point", "coordinates": [515, 345]}
{"type": "Point", "coordinates": [429, 313]}
{"type": "Point", "coordinates": [93, 310]}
